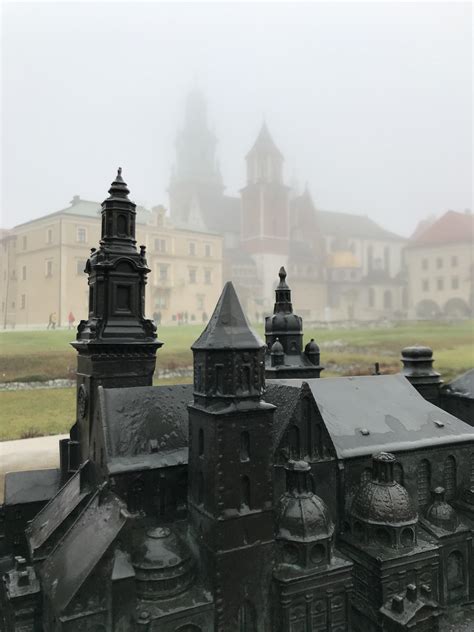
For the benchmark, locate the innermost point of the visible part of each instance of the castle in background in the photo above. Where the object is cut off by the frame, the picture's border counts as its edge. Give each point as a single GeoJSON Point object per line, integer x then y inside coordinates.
{"type": "Point", "coordinates": [343, 266]}
{"type": "Point", "coordinates": [260, 498]}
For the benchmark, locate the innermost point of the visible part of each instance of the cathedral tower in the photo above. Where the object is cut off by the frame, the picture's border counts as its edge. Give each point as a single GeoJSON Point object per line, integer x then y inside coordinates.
{"type": "Point", "coordinates": [116, 345]}
{"type": "Point", "coordinates": [196, 182]}
{"type": "Point", "coordinates": [265, 210]}
{"type": "Point", "coordinates": [230, 467]}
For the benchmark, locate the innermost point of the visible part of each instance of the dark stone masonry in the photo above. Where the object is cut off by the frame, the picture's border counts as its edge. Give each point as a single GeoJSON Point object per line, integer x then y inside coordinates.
{"type": "Point", "coordinates": [260, 498]}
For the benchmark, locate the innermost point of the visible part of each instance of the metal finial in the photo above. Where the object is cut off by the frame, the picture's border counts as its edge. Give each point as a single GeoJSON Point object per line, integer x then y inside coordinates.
{"type": "Point", "coordinates": [119, 171]}
{"type": "Point", "coordinates": [282, 273]}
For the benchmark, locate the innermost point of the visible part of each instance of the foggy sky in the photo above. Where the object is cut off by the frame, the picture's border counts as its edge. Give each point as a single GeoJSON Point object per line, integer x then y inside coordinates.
{"type": "Point", "coordinates": [370, 103]}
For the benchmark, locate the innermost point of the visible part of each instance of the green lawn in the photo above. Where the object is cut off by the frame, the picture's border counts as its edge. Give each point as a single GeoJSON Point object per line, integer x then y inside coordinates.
{"type": "Point", "coordinates": [44, 355]}
{"type": "Point", "coordinates": [40, 355]}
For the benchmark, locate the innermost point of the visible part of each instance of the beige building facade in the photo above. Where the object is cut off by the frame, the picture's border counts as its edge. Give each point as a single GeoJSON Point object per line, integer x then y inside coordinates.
{"type": "Point", "coordinates": [440, 268]}
{"type": "Point", "coordinates": [42, 267]}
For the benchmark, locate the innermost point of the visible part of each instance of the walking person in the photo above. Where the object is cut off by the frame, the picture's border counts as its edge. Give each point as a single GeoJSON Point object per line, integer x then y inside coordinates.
{"type": "Point", "coordinates": [70, 319]}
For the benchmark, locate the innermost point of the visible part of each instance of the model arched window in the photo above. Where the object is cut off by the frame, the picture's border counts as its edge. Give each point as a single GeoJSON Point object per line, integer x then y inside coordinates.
{"type": "Point", "coordinates": [449, 476]}
{"type": "Point", "coordinates": [245, 492]}
{"type": "Point", "coordinates": [423, 476]}
{"type": "Point", "coordinates": [294, 442]}
{"type": "Point", "coordinates": [398, 473]}
{"type": "Point", "coordinates": [244, 446]}
{"type": "Point", "coordinates": [247, 618]}
{"type": "Point", "coordinates": [455, 568]}
{"type": "Point", "coordinates": [366, 476]}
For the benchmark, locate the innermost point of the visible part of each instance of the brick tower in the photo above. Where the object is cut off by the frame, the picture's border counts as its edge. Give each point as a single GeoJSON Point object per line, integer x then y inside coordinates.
{"type": "Point", "coordinates": [265, 211]}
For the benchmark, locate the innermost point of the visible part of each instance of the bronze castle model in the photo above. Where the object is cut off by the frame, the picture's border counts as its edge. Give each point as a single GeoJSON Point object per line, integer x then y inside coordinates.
{"type": "Point", "coordinates": [261, 498]}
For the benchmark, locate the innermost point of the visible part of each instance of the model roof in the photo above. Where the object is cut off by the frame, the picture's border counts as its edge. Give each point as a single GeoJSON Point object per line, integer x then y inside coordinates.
{"type": "Point", "coordinates": [368, 414]}
{"type": "Point", "coordinates": [146, 427]}
{"type": "Point", "coordinates": [30, 486]}
{"type": "Point", "coordinates": [463, 385]}
{"type": "Point", "coordinates": [228, 327]}
{"type": "Point", "coordinates": [82, 548]}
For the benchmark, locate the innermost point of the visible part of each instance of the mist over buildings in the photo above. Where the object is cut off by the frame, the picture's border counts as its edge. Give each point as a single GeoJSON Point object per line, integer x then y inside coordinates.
{"type": "Point", "coordinates": [369, 103]}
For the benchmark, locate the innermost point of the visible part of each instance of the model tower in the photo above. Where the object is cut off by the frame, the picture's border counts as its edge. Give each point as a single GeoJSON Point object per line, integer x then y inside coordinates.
{"type": "Point", "coordinates": [116, 345]}
{"type": "Point", "coordinates": [230, 467]}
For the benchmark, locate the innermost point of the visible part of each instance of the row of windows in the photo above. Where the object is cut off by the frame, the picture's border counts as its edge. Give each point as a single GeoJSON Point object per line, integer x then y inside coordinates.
{"type": "Point", "coordinates": [439, 263]}
{"type": "Point", "coordinates": [449, 479]}
{"type": "Point", "coordinates": [193, 276]}
{"type": "Point", "coordinates": [81, 237]}
{"type": "Point", "coordinates": [244, 452]}
{"type": "Point", "coordinates": [425, 284]}
{"type": "Point", "coordinates": [163, 246]}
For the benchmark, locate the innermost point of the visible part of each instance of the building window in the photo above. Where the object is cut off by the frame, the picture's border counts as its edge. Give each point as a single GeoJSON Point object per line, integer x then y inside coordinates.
{"type": "Point", "coordinates": [455, 283]}
{"type": "Point", "coordinates": [160, 245]}
{"type": "Point", "coordinates": [49, 236]}
{"type": "Point", "coordinates": [192, 275]}
{"type": "Point", "coordinates": [454, 261]}
{"type": "Point", "coordinates": [387, 299]}
{"type": "Point", "coordinates": [207, 277]}
{"type": "Point", "coordinates": [161, 301]}
{"type": "Point", "coordinates": [200, 301]}
{"type": "Point", "coordinates": [23, 273]}
{"type": "Point", "coordinates": [424, 264]}
{"type": "Point", "coordinates": [294, 442]}
{"type": "Point", "coordinates": [163, 272]}
{"type": "Point", "coordinates": [48, 271]}
{"type": "Point", "coordinates": [23, 301]}
{"type": "Point", "coordinates": [386, 259]}
{"type": "Point", "coordinates": [425, 285]}
{"type": "Point", "coordinates": [207, 250]}
{"type": "Point", "coordinates": [80, 266]}
{"type": "Point", "coordinates": [439, 263]}
{"type": "Point", "coordinates": [439, 284]}
{"type": "Point", "coordinates": [192, 248]}
{"type": "Point", "coordinates": [81, 234]}
{"type": "Point", "coordinates": [25, 241]}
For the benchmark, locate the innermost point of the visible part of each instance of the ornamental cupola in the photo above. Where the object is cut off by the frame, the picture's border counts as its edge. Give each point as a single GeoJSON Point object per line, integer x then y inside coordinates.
{"type": "Point", "coordinates": [382, 512]}
{"type": "Point", "coordinates": [286, 327]}
{"type": "Point", "coordinates": [304, 526]}
{"type": "Point", "coordinates": [117, 274]}
{"type": "Point", "coordinates": [228, 356]}
{"type": "Point", "coordinates": [440, 513]}
{"type": "Point", "coordinates": [163, 565]}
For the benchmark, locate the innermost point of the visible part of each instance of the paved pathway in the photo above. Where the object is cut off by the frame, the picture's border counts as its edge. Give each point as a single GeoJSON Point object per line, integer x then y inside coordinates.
{"type": "Point", "coordinates": [28, 454]}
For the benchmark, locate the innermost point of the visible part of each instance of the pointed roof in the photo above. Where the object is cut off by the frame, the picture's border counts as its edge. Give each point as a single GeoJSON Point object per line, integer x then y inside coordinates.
{"type": "Point", "coordinates": [119, 187]}
{"type": "Point", "coordinates": [265, 143]}
{"type": "Point", "coordinates": [228, 327]}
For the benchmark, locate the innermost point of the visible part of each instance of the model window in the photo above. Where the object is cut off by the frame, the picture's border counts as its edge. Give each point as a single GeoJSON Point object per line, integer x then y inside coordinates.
{"type": "Point", "coordinates": [245, 493]}
{"type": "Point", "coordinates": [423, 483]}
{"type": "Point", "coordinates": [244, 446]}
{"type": "Point", "coordinates": [449, 476]}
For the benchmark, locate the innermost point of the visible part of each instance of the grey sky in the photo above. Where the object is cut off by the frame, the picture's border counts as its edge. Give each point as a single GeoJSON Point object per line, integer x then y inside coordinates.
{"type": "Point", "coordinates": [370, 103]}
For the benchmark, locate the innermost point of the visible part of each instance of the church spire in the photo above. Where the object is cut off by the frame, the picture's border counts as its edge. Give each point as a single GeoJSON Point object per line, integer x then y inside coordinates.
{"type": "Point", "coordinates": [228, 356]}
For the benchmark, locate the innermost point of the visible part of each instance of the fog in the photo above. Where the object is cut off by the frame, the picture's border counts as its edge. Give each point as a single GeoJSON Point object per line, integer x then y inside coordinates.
{"type": "Point", "coordinates": [370, 103]}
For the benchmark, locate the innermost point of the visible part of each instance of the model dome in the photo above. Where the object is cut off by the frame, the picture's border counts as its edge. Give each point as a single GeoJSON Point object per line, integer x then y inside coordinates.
{"type": "Point", "coordinates": [440, 513]}
{"type": "Point", "coordinates": [163, 565]}
{"type": "Point", "coordinates": [382, 500]}
{"type": "Point", "coordinates": [302, 515]}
